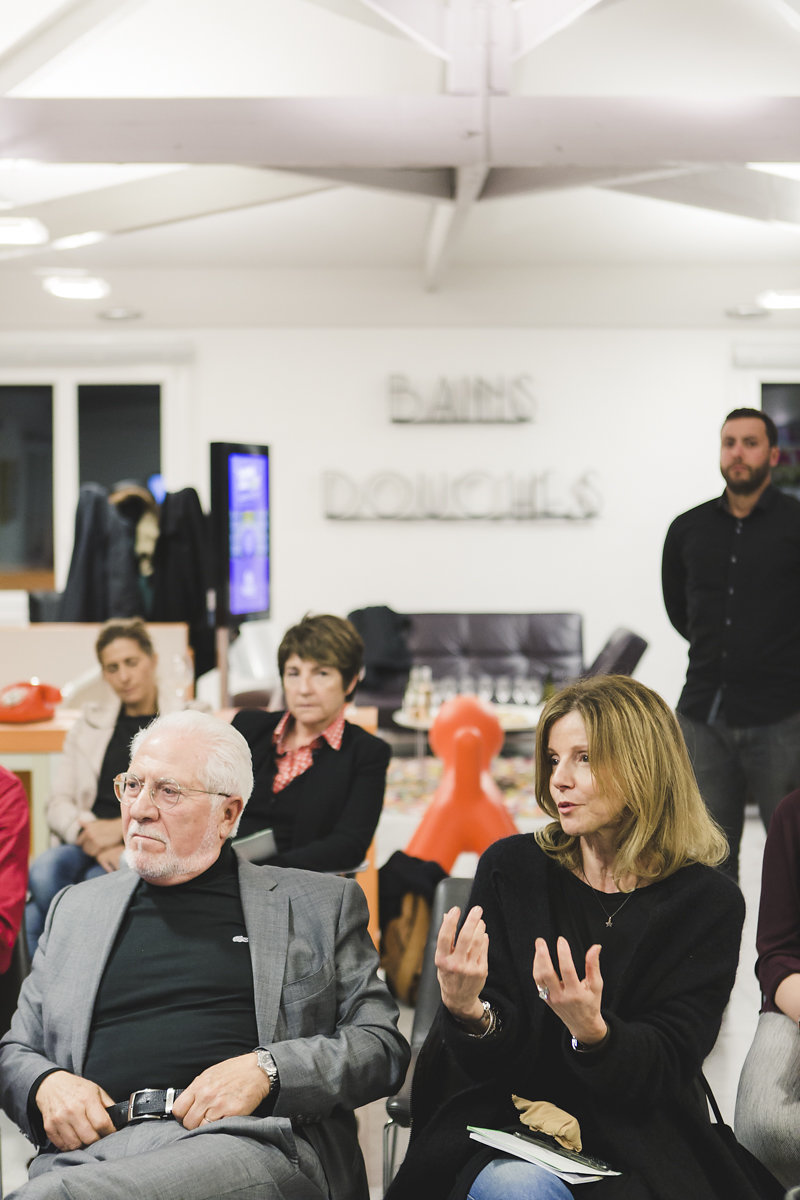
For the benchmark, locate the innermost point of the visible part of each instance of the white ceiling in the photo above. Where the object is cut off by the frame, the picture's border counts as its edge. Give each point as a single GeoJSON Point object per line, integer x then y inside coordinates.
{"type": "Point", "coordinates": [440, 156]}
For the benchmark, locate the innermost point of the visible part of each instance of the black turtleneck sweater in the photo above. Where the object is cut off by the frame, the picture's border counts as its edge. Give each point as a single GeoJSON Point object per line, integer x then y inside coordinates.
{"type": "Point", "coordinates": [177, 992]}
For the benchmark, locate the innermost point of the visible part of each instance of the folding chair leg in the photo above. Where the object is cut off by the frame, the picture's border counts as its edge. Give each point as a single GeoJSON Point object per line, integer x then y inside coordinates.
{"type": "Point", "coordinates": [389, 1151]}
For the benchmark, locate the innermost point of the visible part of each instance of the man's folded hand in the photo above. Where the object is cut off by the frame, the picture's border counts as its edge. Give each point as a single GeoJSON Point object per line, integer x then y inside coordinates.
{"type": "Point", "coordinates": [73, 1110]}
{"type": "Point", "coordinates": [232, 1088]}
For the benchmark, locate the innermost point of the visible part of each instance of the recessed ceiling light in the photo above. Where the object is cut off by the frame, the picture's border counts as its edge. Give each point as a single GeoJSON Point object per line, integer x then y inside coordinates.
{"type": "Point", "coordinates": [120, 314]}
{"type": "Point", "coordinates": [19, 164]}
{"type": "Point", "coordinates": [787, 170]}
{"type": "Point", "coordinates": [76, 287]}
{"type": "Point", "coordinates": [786, 299]}
{"type": "Point", "coordinates": [22, 231]}
{"type": "Point", "coordinates": [74, 240]}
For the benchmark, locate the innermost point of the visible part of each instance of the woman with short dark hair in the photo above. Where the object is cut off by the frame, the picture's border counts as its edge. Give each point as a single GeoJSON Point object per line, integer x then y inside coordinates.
{"type": "Point", "coordinates": [319, 780]}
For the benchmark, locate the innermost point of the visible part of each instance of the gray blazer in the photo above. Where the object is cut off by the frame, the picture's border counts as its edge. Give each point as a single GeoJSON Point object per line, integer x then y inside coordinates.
{"type": "Point", "coordinates": [320, 1007]}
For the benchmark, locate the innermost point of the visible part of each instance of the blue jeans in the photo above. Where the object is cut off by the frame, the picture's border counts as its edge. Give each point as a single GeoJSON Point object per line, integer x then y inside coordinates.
{"type": "Point", "coordinates": [760, 763]}
{"type": "Point", "coordinates": [514, 1179]}
{"type": "Point", "coordinates": [49, 873]}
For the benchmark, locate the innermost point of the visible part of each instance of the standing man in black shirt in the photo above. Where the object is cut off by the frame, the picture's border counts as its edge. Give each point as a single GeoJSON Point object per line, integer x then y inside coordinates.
{"type": "Point", "coordinates": [731, 580]}
{"type": "Point", "coordinates": [198, 1027]}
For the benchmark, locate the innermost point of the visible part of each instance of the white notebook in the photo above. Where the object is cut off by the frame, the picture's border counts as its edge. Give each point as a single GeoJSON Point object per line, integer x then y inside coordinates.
{"type": "Point", "coordinates": [568, 1165]}
{"type": "Point", "coordinates": [258, 847]}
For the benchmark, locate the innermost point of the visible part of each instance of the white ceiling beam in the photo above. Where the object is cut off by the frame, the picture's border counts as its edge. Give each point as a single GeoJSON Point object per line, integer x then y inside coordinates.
{"type": "Point", "coordinates": [636, 131]}
{"type": "Point", "coordinates": [383, 131]}
{"type": "Point", "coordinates": [515, 181]}
{"type": "Point", "coordinates": [402, 132]}
{"type": "Point", "coordinates": [468, 39]}
{"type": "Point", "coordinates": [160, 200]}
{"type": "Point", "coordinates": [789, 10]}
{"type": "Point", "coordinates": [476, 50]}
{"type": "Point", "coordinates": [447, 222]}
{"type": "Point", "coordinates": [55, 34]}
{"type": "Point", "coordinates": [535, 21]}
{"type": "Point", "coordinates": [735, 190]}
{"type": "Point", "coordinates": [421, 20]}
{"type": "Point", "coordinates": [434, 184]}
{"type": "Point", "coordinates": [354, 10]}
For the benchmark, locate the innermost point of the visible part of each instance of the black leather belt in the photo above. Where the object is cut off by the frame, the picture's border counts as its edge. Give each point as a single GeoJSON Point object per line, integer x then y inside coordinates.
{"type": "Point", "coordinates": [148, 1104]}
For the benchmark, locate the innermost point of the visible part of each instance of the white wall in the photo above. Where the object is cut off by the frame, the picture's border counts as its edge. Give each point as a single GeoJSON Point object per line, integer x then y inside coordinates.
{"type": "Point", "coordinates": [642, 409]}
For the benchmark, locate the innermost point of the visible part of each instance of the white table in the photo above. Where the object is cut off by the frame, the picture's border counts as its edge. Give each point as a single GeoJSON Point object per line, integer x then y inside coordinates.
{"type": "Point", "coordinates": [513, 718]}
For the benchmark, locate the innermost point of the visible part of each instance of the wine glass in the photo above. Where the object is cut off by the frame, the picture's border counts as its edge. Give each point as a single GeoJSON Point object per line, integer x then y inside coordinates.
{"type": "Point", "coordinates": [466, 685]}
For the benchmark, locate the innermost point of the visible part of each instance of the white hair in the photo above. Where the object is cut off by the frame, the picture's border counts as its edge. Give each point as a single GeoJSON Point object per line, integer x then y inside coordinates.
{"type": "Point", "coordinates": [224, 765]}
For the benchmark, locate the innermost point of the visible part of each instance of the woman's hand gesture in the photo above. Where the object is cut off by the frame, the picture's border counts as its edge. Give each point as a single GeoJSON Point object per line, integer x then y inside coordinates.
{"type": "Point", "coordinates": [462, 965]}
{"type": "Point", "coordinates": [575, 1001]}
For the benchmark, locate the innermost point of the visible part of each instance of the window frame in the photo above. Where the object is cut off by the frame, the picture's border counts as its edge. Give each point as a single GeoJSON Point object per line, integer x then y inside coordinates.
{"type": "Point", "coordinates": [179, 436]}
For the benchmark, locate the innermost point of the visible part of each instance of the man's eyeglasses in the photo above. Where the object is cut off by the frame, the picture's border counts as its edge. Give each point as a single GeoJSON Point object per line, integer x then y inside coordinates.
{"type": "Point", "coordinates": [164, 793]}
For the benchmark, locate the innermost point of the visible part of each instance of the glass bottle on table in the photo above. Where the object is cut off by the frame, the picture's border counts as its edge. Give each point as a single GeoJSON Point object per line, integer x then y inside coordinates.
{"type": "Point", "coordinates": [410, 701]}
{"type": "Point", "coordinates": [425, 692]}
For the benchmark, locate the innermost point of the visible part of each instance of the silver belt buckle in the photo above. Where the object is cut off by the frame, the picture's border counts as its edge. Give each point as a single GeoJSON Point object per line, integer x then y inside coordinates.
{"type": "Point", "coordinates": [143, 1092]}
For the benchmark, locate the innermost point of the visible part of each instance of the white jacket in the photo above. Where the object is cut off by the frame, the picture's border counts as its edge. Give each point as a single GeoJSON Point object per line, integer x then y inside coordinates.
{"type": "Point", "coordinates": [75, 786]}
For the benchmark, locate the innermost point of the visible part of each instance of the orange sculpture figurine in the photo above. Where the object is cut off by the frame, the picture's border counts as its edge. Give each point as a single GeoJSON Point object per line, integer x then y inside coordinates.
{"type": "Point", "coordinates": [467, 811]}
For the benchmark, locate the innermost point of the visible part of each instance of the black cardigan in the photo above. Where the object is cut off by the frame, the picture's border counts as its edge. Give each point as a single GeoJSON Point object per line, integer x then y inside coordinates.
{"type": "Point", "coordinates": [326, 818]}
{"type": "Point", "coordinates": [636, 1099]}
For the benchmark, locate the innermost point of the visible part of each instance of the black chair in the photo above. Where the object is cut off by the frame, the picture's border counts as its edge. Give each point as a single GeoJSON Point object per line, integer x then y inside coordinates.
{"type": "Point", "coordinates": [620, 655]}
{"type": "Point", "coordinates": [44, 606]}
{"type": "Point", "coordinates": [12, 980]}
{"type": "Point", "coordinates": [10, 983]}
{"type": "Point", "coordinates": [448, 892]}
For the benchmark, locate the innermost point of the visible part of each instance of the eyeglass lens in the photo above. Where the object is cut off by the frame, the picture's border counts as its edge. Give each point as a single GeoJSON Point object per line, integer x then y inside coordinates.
{"type": "Point", "coordinates": [164, 792]}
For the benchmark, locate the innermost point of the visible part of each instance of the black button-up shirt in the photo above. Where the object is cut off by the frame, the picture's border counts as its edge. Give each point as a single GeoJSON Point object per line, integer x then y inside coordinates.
{"type": "Point", "coordinates": [732, 588]}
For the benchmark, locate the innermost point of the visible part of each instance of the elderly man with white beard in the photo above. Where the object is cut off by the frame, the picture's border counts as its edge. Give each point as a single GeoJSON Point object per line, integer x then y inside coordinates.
{"type": "Point", "coordinates": [198, 1026]}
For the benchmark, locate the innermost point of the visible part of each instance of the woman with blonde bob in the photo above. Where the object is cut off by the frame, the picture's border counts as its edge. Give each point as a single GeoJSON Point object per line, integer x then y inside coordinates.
{"type": "Point", "coordinates": [639, 761]}
{"type": "Point", "coordinates": [587, 982]}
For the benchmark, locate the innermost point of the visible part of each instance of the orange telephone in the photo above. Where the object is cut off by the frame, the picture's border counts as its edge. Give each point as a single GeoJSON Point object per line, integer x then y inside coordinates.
{"type": "Point", "coordinates": [29, 701]}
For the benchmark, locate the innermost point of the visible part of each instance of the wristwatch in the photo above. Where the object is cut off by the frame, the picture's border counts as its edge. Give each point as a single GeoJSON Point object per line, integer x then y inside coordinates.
{"type": "Point", "coordinates": [270, 1069]}
{"type": "Point", "coordinates": [581, 1048]}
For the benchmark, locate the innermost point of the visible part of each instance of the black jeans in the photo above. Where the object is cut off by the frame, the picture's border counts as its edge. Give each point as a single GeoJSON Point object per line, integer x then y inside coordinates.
{"type": "Point", "coordinates": [759, 764]}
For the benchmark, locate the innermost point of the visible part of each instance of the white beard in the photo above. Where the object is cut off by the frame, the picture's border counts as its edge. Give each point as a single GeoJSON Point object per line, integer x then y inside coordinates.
{"type": "Point", "coordinates": [158, 867]}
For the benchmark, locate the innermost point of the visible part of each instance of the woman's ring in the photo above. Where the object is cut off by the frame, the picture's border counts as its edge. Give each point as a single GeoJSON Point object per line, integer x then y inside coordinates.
{"type": "Point", "coordinates": [544, 992]}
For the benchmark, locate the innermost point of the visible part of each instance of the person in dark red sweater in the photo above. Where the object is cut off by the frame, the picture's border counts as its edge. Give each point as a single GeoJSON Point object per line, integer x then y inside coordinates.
{"type": "Point", "coordinates": [768, 1100]}
{"type": "Point", "coordinates": [14, 850]}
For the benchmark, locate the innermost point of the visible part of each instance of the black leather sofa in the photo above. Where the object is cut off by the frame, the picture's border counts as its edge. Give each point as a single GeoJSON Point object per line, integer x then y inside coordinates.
{"type": "Point", "coordinates": [544, 646]}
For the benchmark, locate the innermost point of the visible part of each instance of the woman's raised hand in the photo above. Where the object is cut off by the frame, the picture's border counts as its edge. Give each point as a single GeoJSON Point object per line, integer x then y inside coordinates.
{"type": "Point", "coordinates": [575, 1001]}
{"type": "Point", "coordinates": [462, 965]}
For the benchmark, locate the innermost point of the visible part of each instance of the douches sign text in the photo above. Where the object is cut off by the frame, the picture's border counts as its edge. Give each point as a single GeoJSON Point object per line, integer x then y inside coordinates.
{"type": "Point", "coordinates": [472, 496]}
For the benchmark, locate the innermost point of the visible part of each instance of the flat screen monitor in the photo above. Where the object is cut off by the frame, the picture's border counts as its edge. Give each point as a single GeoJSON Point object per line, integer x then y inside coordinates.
{"type": "Point", "coordinates": [240, 518]}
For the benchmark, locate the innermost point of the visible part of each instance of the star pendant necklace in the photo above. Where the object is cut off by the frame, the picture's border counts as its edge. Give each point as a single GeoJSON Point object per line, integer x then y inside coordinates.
{"type": "Point", "coordinates": [610, 917]}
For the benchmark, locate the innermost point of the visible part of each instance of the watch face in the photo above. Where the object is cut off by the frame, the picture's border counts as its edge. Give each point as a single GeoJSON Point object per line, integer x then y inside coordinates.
{"type": "Point", "coordinates": [268, 1066]}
